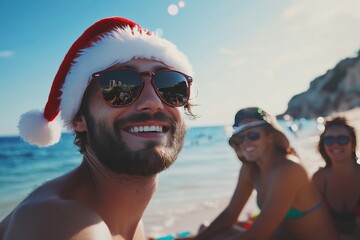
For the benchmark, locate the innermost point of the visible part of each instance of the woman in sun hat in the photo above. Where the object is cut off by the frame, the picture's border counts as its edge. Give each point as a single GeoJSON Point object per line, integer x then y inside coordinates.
{"type": "Point", "coordinates": [291, 208]}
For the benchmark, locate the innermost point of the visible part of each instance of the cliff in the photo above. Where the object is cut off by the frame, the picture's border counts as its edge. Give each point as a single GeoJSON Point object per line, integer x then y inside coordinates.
{"type": "Point", "coordinates": [337, 90]}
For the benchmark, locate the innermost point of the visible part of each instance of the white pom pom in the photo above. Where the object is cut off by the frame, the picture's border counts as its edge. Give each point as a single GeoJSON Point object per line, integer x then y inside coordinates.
{"type": "Point", "coordinates": [35, 129]}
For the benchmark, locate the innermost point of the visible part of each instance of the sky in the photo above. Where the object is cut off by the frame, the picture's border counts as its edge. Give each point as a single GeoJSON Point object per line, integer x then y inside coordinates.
{"type": "Point", "coordinates": [244, 53]}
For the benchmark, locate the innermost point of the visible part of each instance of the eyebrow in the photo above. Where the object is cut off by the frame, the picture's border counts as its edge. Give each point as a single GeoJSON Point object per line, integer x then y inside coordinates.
{"type": "Point", "coordinates": [136, 68]}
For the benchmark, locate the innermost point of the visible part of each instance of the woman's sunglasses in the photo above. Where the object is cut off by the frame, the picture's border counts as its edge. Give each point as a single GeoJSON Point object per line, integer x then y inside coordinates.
{"type": "Point", "coordinates": [121, 87]}
{"type": "Point", "coordinates": [253, 135]}
{"type": "Point", "coordinates": [341, 140]}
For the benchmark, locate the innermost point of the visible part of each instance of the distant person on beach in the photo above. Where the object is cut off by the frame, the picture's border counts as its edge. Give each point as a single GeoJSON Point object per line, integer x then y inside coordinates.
{"type": "Point", "coordinates": [124, 146]}
{"type": "Point", "coordinates": [339, 181]}
{"type": "Point", "coordinates": [291, 208]}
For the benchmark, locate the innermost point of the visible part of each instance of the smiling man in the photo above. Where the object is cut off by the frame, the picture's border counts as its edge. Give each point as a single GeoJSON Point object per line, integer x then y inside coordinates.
{"type": "Point", "coordinates": [126, 141]}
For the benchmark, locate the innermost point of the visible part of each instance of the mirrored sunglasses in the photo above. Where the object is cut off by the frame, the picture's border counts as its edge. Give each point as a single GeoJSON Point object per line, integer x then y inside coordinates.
{"type": "Point", "coordinates": [121, 87]}
{"type": "Point", "coordinates": [253, 135]}
{"type": "Point", "coordinates": [341, 140]}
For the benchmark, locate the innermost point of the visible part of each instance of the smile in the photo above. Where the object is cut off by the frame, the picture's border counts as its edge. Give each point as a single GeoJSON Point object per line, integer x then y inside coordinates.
{"type": "Point", "coordinates": [146, 129]}
{"type": "Point", "coordinates": [249, 149]}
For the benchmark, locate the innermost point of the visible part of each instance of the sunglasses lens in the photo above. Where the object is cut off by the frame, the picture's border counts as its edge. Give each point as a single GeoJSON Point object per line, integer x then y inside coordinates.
{"type": "Point", "coordinates": [253, 136]}
{"type": "Point", "coordinates": [330, 140]}
{"type": "Point", "coordinates": [119, 87]}
{"type": "Point", "coordinates": [172, 87]}
{"type": "Point", "coordinates": [343, 140]}
{"type": "Point", "coordinates": [122, 87]}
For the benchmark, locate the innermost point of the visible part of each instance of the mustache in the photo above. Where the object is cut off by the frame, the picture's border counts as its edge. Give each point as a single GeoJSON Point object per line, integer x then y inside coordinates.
{"type": "Point", "coordinates": [143, 117]}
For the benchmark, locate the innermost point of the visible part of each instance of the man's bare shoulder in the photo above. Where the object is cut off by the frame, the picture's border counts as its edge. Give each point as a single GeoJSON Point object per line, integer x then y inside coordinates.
{"type": "Point", "coordinates": [54, 218]}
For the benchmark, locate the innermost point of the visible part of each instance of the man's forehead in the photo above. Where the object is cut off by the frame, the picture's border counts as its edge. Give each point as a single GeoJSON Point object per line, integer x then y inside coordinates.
{"type": "Point", "coordinates": [142, 65]}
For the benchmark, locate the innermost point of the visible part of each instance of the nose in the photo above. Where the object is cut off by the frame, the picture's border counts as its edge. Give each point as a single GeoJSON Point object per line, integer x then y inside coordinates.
{"type": "Point", "coordinates": [148, 99]}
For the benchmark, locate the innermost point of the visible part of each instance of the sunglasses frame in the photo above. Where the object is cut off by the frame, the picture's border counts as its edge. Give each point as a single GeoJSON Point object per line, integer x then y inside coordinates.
{"type": "Point", "coordinates": [337, 140]}
{"type": "Point", "coordinates": [241, 137]}
{"type": "Point", "coordinates": [141, 75]}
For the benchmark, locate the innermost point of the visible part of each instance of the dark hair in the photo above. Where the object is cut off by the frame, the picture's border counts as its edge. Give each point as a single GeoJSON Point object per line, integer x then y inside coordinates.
{"type": "Point", "coordinates": [281, 144]}
{"type": "Point", "coordinates": [81, 137]}
{"type": "Point", "coordinates": [188, 110]}
{"type": "Point", "coordinates": [337, 122]}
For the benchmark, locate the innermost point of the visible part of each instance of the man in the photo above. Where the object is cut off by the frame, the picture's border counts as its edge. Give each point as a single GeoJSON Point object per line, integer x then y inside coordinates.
{"type": "Point", "coordinates": [125, 145]}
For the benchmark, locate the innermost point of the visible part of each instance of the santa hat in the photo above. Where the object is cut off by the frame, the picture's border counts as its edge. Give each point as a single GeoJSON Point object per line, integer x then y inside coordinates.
{"type": "Point", "coordinates": [105, 43]}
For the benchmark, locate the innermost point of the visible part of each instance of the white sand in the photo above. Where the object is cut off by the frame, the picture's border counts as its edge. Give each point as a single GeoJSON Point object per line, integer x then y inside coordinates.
{"type": "Point", "coordinates": [191, 220]}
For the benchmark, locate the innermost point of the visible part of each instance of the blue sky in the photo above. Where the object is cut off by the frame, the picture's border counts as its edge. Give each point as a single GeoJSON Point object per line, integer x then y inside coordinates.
{"type": "Point", "coordinates": [244, 53]}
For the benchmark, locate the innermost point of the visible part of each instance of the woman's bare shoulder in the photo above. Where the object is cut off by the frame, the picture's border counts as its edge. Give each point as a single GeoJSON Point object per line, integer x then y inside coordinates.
{"type": "Point", "coordinates": [295, 174]}
{"type": "Point", "coordinates": [289, 167]}
{"type": "Point", "coordinates": [318, 177]}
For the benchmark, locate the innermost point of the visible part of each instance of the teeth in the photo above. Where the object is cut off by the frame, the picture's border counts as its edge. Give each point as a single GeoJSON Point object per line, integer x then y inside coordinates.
{"type": "Point", "coordinates": [336, 151]}
{"type": "Point", "coordinates": [249, 149]}
{"type": "Point", "coordinates": [146, 129]}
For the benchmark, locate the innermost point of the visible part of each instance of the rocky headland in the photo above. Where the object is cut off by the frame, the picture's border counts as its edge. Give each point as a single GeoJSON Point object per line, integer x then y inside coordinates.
{"type": "Point", "coordinates": [338, 90]}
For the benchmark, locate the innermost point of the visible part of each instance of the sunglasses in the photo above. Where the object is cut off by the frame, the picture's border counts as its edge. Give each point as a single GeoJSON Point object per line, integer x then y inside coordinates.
{"type": "Point", "coordinates": [341, 140]}
{"type": "Point", "coordinates": [121, 87]}
{"type": "Point", "coordinates": [253, 135]}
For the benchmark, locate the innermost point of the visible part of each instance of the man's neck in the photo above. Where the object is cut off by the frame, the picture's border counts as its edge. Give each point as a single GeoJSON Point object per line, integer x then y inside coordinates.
{"type": "Point", "coordinates": [120, 199]}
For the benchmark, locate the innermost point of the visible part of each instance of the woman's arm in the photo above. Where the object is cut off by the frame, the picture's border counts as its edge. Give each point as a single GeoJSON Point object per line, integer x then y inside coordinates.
{"type": "Point", "coordinates": [231, 213]}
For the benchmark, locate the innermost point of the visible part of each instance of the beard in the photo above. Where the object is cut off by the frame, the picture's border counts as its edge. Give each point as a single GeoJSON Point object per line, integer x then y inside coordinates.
{"type": "Point", "coordinates": [116, 155]}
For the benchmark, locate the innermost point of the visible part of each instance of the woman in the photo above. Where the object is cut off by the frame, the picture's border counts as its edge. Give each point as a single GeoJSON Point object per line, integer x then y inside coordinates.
{"type": "Point", "coordinates": [339, 181]}
{"type": "Point", "coordinates": [291, 208]}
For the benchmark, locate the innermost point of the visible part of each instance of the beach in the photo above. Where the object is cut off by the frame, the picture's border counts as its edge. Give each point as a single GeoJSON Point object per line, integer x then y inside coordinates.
{"type": "Point", "coordinates": [193, 191]}
{"type": "Point", "coordinates": [189, 216]}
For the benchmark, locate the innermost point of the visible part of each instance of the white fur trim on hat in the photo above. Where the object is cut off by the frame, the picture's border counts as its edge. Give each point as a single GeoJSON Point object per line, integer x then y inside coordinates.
{"type": "Point", "coordinates": [35, 129]}
{"type": "Point", "coordinates": [118, 46]}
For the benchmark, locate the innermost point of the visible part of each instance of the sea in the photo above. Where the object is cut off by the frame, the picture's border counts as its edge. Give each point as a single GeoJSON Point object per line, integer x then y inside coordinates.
{"type": "Point", "coordinates": [202, 178]}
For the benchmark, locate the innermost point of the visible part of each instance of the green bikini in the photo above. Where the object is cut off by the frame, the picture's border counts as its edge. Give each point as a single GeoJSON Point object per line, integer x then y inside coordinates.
{"type": "Point", "coordinates": [294, 213]}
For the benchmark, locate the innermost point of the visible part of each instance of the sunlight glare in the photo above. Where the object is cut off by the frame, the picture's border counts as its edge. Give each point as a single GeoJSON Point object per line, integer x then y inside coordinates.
{"type": "Point", "coordinates": [173, 9]}
{"type": "Point", "coordinates": [159, 32]}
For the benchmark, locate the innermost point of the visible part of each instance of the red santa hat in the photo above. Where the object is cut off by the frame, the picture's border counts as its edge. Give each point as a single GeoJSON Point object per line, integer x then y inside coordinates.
{"type": "Point", "coordinates": [105, 43]}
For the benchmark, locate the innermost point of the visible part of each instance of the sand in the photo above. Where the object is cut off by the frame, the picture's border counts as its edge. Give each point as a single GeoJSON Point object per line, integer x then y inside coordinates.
{"type": "Point", "coordinates": [192, 220]}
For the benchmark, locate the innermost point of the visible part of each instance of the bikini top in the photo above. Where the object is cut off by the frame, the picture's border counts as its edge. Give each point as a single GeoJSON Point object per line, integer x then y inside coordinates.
{"type": "Point", "coordinates": [344, 216]}
{"type": "Point", "coordinates": [295, 213]}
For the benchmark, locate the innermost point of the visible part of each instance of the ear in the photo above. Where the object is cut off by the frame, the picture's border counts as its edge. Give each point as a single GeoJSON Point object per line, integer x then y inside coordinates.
{"type": "Point", "coordinates": [79, 124]}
